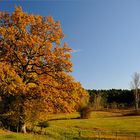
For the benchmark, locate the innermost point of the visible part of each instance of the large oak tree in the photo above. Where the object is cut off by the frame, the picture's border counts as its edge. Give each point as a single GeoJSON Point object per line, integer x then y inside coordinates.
{"type": "Point", "coordinates": [35, 67]}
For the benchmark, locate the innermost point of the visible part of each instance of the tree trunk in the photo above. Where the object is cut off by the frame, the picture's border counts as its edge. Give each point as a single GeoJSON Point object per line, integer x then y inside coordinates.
{"type": "Point", "coordinates": [136, 100]}
{"type": "Point", "coordinates": [137, 106]}
{"type": "Point", "coordinates": [23, 128]}
{"type": "Point", "coordinates": [22, 125]}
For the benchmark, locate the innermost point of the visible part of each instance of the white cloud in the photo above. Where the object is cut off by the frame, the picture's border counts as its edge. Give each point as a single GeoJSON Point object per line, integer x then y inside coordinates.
{"type": "Point", "coordinates": [76, 51]}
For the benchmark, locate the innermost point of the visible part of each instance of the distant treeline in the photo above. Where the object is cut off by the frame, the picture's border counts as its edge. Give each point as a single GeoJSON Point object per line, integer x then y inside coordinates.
{"type": "Point", "coordinates": [113, 98]}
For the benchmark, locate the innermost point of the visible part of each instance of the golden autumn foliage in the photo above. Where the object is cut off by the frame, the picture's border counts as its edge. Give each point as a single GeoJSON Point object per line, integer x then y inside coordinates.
{"type": "Point", "coordinates": [9, 81]}
{"type": "Point", "coordinates": [34, 66]}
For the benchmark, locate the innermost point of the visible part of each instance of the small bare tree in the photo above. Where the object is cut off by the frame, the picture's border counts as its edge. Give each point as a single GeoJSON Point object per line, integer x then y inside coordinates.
{"type": "Point", "coordinates": [135, 84]}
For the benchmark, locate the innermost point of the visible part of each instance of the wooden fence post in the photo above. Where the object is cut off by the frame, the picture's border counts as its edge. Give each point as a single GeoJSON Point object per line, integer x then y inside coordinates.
{"type": "Point", "coordinates": [116, 135]}
{"type": "Point", "coordinates": [135, 136]}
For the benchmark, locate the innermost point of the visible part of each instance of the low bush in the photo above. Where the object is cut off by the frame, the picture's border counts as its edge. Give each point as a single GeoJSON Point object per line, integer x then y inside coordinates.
{"type": "Point", "coordinates": [43, 124]}
{"type": "Point", "coordinates": [85, 112]}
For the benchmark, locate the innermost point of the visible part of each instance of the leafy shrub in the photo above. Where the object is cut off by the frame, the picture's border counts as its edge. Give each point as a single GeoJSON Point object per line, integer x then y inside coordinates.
{"type": "Point", "coordinates": [43, 124]}
{"type": "Point", "coordinates": [85, 112]}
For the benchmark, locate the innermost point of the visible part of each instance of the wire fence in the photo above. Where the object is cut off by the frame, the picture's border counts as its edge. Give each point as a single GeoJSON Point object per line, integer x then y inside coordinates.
{"type": "Point", "coordinates": [107, 135]}
{"type": "Point", "coordinates": [81, 135]}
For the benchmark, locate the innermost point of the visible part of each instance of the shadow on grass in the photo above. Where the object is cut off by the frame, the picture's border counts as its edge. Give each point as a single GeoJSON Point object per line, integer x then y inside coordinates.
{"type": "Point", "coordinates": [10, 137]}
{"type": "Point", "coordinates": [63, 119]}
{"type": "Point", "coordinates": [132, 113]}
{"type": "Point", "coordinates": [125, 113]}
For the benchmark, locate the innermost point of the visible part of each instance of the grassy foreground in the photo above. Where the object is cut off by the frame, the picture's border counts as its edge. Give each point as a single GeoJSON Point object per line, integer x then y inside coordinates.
{"type": "Point", "coordinates": [101, 125]}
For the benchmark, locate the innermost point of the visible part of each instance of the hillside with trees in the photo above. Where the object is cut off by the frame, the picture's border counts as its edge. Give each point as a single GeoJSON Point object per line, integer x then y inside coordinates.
{"type": "Point", "coordinates": [112, 98]}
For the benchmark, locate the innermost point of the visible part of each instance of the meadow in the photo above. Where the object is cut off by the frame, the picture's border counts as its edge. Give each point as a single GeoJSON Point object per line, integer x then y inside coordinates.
{"type": "Point", "coordinates": [101, 125]}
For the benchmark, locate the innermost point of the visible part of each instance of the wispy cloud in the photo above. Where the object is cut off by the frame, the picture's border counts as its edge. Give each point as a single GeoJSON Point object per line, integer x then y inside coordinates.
{"type": "Point", "coordinates": [76, 51]}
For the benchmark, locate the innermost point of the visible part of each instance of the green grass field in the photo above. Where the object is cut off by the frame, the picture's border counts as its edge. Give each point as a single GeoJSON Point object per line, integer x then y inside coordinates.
{"type": "Point", "coordinates": [101, 125]}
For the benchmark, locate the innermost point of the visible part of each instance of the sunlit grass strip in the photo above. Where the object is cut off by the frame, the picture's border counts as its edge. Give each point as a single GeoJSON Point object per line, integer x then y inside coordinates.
{"type": "Point", "coordinates": [101, 125]}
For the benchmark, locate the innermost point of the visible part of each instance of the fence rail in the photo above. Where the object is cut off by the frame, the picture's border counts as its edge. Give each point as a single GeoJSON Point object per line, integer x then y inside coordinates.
{"type": "Point", "coordinates": [106, 135]}
{"type": "Point", "coordinates": [81, 135]}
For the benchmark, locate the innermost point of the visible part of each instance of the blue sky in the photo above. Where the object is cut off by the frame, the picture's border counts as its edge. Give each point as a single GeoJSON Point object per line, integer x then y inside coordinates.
{"type": "Point", "coordinates": [104, 33]}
